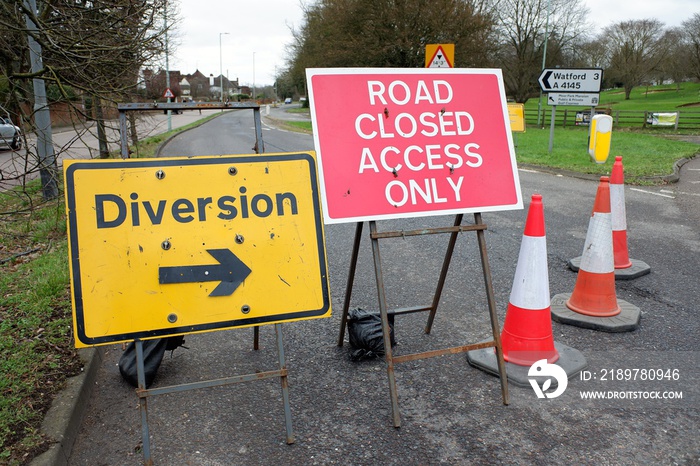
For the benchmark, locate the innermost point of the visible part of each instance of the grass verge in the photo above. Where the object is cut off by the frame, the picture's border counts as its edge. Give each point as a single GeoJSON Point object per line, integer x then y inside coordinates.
{"type": "Point", "coordinates": [37, 353]}
{"type": "Point", "coordinates": [646, 157]}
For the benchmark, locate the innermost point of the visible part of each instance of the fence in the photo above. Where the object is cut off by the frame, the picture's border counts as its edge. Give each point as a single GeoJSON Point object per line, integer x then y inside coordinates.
{"type": "Point", "coordinates": [679, 119]}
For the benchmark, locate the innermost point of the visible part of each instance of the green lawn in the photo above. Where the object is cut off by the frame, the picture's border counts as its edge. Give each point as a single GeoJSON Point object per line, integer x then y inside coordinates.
{"type": "Point", "coordinates": [643, 155]}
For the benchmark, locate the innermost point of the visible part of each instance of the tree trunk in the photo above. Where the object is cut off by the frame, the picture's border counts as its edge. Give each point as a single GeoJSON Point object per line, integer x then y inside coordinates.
{"type": "Point", "coordinates": [101, 135]}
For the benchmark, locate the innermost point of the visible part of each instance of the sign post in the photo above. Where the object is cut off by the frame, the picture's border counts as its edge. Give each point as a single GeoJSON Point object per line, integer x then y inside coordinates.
{"type": "Point", "coordinates": [413, 143]}
{"type": "Point", "coordinates": [575, 86]}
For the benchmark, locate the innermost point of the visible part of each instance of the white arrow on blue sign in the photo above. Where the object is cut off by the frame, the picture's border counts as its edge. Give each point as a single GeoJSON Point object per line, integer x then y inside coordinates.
{"type": "Point", "coordinates": [579, 80]}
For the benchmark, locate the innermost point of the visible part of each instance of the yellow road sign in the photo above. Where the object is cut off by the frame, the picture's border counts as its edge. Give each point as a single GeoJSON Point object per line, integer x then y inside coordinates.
{"type": "Point", "coordinates": [168, 246]}
{"type": "Point", "coordinates": [516, 114]}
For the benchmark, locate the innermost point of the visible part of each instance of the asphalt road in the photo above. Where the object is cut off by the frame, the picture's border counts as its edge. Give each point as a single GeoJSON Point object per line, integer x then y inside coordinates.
{"type": "Point", "coordinates": [451, 412]}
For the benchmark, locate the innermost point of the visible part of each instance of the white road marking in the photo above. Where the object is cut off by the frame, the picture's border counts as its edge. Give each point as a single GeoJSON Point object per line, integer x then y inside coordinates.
{"type": "Point", "coordinates": [652, 192]}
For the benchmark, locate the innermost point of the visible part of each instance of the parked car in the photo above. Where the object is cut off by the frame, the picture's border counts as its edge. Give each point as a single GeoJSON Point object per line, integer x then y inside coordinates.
{"type": "Point", "coordinates": [288, 100]}
{"type": "Point", "coordinates": [10, 135]}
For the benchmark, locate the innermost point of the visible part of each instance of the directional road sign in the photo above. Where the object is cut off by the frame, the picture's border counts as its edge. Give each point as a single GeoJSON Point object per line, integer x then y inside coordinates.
{"type": "Point", "coordinates": [168, 246]}
{"type": "Point", "coordinates": [578, 80]}
{"type": "Point", "coordinates": [582, 100]}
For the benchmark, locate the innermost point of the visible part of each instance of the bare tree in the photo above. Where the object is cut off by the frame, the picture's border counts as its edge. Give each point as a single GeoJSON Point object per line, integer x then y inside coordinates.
{"type": "Point", "coordinates": [92, 52]}
{"type": "Point", "coordinates": [675, 63]}
{"type": "Point", "coordinates": [691, 29]}
{"type": "Point", "coordinates": [523, 27]}
{"type": "Point", "coordinates": [635, 51]}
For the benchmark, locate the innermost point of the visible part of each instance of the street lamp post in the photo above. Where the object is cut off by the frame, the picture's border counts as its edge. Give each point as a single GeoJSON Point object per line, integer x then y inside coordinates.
{"type": "Point", "coordinates": [253, 75]}
{"type": "Point", "coordinates": [221, 68]}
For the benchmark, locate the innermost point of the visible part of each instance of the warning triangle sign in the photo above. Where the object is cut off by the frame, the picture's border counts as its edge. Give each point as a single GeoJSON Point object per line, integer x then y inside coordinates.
{"type": "Point", "coordinates": [440, 59]}
{"type": "Point", "coordinates": [168, 94]}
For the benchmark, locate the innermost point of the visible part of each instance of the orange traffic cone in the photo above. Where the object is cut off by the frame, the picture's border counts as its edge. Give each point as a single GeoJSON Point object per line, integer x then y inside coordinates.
{"type": "Point", "coordinates": [619, 215]}
{"type": "Point", "coordinates": [527, 331]}
{"type": "Point", "coordinates": [594, 292]}
{"type": "Point", "coordinates": [625, 268]}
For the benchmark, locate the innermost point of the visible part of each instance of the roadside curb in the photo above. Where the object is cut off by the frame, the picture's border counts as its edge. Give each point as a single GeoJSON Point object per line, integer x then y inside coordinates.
{"type": "Point", "coordinates": [63, 420]}
{"type": "Point", "coordinates": [670, 179]}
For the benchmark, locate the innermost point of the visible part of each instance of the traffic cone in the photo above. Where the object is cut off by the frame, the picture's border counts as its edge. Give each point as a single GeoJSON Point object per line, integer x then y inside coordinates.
{"type": "Point", "coordinates": [527, 331]}
{"type": "Point", "coordinates": [594, 292]}
{"type": "Point", "coordinates": [593, 303]}
{"type": "Point", "coordinates": [625, 268]}
{"type": "Point", "coordinates": [619, 215]}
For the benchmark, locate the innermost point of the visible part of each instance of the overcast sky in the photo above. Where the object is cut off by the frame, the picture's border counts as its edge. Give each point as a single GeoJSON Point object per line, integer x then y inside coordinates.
{"type": "Point", "coordinates": [258, 32]}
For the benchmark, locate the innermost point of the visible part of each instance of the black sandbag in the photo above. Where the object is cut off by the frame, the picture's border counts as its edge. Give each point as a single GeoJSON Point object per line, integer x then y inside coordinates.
{"type": "Point", "coordinates": [153, 352]}
{"type": "Point", "coordinates": [366, 335]}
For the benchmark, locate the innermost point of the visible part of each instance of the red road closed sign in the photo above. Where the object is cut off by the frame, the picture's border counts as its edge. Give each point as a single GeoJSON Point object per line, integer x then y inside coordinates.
{"type": "Point", "coordinates": [399, 143]}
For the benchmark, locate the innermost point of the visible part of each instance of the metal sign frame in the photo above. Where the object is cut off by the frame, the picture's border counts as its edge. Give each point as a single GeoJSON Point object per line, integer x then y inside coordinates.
{"type": "Point", "coordinates": [142, 392]}
{"type": "Point", "coordinates": [390, 359]}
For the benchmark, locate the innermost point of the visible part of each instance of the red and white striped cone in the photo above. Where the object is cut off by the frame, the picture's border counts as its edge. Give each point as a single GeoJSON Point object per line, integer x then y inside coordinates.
{"type": "Point", "coordinates": [527, 332]}
{"type": "Point", "coordinates": [619, 215]}
{"type": "Point", "coordinates": [625, 268]}
{"type": "Point", "coordinates": [593, 303]}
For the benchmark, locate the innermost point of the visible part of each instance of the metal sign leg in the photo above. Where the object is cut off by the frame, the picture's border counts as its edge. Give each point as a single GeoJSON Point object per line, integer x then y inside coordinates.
{"type": "Point", "coordinates": [396, 416]}
{"type": "Point", "coordinates": [285, 384]}
{"type": "Point", "coordinates": [492, 309]}
{"type": "Point", "coordinates": [259, 144]}
{"type": "Point", "coordinates": [443, 274]}
{"type": "Point", "coordinates": [143, 404]}
{"type": "Point", "coordinates": [351, 280]}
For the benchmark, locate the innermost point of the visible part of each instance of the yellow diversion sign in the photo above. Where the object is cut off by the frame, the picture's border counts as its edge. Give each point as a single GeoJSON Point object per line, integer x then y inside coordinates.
{"type": "Point", "coordinates": [162, 247]}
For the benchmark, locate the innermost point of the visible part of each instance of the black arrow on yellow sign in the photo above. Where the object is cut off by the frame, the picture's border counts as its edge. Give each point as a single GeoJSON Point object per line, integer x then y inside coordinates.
{"type": "Point", "coordinates": [230, 271]}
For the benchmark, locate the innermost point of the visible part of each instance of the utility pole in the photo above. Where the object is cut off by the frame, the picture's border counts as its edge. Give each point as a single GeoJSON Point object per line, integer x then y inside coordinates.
{"type": "Point", "coordinates": [48, 169]}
